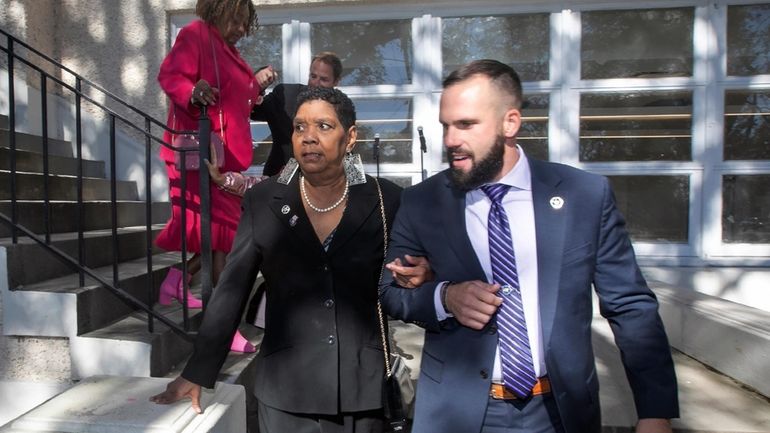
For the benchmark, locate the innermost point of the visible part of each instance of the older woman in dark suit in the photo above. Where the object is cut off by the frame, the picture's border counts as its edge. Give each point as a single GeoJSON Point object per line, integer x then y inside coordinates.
{"type": "Point", "coordinates": [316, 233]}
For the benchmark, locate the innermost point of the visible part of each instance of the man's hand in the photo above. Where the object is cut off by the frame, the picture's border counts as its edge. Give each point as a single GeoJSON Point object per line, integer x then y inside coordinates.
{"type": "Point", "coordinates": [413, 274]}
{"type": "Point", "coordinates": [266, 76]}
{"type": "Point", "coordinates": [653, 425]}
{"type": "Point", "coordinates": [178, 389]}
{"type": "Point", "coordinates": [473, 303]}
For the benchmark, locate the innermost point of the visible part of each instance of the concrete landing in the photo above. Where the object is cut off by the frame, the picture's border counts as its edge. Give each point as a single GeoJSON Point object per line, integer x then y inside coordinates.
{"type": "Point", "coordinates": [110, 404]}
{"type": "Point", "coordinates": [709, 402]}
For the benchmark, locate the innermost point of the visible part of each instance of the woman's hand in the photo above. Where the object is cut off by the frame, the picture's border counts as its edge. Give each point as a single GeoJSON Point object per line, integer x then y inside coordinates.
{"type": "Point", "coordinates": [413, 274]}
{"type": "Point", "coordinates": [216, 176]}
{"type": "Point", "coordinates": [204, 94]}
{"type": "Point", "coordinates": [266, 76]}
{"type": "Point", "coordinates": [178, 389]}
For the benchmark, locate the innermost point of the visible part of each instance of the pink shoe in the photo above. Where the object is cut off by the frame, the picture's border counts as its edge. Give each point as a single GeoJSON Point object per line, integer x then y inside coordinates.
{"type": "Point", "coordinates": [171, 288]}
{"type": "Point", "coordinates": [241, 344]}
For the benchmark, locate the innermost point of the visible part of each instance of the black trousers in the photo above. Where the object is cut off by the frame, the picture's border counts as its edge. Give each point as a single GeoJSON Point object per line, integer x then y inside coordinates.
{"type": "Point", "coordinates": [272, 420]}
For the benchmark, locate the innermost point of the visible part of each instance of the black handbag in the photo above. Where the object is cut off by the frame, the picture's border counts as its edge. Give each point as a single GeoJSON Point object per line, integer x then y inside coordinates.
{"type": "Point", "coordinates": [397, 387]}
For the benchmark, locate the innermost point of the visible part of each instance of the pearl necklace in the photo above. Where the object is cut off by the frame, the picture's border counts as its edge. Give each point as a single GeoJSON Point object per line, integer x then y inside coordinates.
{"type": "Point", "coordinates": [314, 207]}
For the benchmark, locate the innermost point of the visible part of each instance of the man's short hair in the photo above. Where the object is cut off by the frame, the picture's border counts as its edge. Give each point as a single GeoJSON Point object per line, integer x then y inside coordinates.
{"type": "Point", "coordinates": [343, 106]}
{"type": "Point", "coordinates": [502, 75]}
{"type": "Point", "coordinates": [332, 60]}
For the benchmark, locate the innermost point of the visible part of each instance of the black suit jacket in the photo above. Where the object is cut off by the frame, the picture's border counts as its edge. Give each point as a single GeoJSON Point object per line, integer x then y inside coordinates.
{"type": "Point", "coordinates": [321, 352]}
{"type": "Point", "coordinates": [278, 109]}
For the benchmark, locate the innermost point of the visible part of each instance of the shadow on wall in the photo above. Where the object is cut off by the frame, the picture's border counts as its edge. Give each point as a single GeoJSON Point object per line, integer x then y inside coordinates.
{"type": "Point", "coordinates": [129, 144]}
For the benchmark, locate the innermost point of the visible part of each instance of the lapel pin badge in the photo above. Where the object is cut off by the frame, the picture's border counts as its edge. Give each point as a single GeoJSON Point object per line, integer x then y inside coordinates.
{"type": "Point", "coordinates": [293, 220]}
{"type": "Point", "coordinates": [285, 209]}
{"type": "Point", "coordinates": [557, 202]}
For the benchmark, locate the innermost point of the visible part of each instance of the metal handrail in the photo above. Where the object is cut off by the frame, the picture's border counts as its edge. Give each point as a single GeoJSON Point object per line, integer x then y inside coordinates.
{"type": "Point", "coordinates": [144, 129]}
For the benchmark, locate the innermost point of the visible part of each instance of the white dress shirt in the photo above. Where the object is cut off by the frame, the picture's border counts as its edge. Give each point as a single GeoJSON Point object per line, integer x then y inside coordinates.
{"type": "Point", "coordinates": [521, 216]}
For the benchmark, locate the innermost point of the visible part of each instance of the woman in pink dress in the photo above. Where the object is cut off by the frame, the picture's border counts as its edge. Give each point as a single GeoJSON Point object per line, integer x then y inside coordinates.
{"type": "Point", "coordinates": [204, 68]}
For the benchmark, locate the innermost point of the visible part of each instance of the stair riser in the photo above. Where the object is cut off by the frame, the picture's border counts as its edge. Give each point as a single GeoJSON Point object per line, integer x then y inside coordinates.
{"type": "Point", "coordinates": [34, 143]}
{"type": "Point", "coordinates": [96, 216]}
{"type": "Point", "coordinates": [33, 162]}
{"type": "Point", "coordinates": [100, 307]}
{"type": "Point", "coordinates": [31, 263]}
{"type": "Point", "coordinates": [32, 187]}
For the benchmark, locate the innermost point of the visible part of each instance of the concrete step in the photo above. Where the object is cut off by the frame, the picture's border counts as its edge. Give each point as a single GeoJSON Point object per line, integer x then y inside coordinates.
{"type": "Point", "coordinates": [96, 215]}
{"type": "Point", "coordinates": [34, 143]}
{"type": "Point", "coordinates": [30, 186]}
{"type": "Point", "coordinates": [127, 348]}
{"type": "Point", "coordinates": [29, 262]}
{"type": "Point", "coordinates": [70, 309]}
{"type": "Point", "coordinates": [33, 162]}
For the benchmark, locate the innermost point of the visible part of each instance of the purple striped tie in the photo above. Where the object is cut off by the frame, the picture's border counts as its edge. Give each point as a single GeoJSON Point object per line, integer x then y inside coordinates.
{"type": "Point", "coordinates": [515, 355]}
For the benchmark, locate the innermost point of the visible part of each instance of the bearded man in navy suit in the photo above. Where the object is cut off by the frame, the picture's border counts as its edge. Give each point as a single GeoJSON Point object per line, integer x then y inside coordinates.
{"type": "Point", "coordinates": [567, 236]}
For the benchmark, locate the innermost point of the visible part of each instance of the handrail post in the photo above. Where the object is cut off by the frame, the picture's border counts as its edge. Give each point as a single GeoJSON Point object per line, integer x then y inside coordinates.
{"type": "Point", "coordinates": [148, 221]}
{"type": "Point", "coordinates": [12, 140]}
{"type": "Point", "coordinates": [204, 131]}
{"type": "Point", "coordinates": [79, 154]}
{"type": "Point", "coordinates": [46, 157]}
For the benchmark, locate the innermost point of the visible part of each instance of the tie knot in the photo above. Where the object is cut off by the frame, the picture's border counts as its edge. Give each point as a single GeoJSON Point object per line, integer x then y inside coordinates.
{"type": "Point", "coordinates": [495, 191]}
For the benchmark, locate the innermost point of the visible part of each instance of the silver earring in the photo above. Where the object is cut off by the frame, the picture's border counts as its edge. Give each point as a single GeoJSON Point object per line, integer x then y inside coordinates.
{"type": "Point", "coordinates": [288, 171]}
{"type": "Point", "coordinates": [354, 169]}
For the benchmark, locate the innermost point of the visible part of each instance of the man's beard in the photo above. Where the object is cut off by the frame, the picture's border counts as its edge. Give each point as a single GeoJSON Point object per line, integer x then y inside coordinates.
{"type": "Point", "coordinates": [482, 171]}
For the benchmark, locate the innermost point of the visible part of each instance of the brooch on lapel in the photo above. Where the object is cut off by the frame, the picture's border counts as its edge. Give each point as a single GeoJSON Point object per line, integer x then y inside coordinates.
{"type": "Point", "coordinates": [285, 209]}
{"type": "Point", "coordinates": [557, 202]}
{"type": "Point", "coordinates": [293, 220]}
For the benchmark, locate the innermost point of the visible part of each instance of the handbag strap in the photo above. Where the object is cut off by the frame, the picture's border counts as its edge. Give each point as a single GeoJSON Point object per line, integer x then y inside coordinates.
{"type": "Point", "coordinates": [383, 333]}
{"type": "Point", "coordinates": [219, 86]}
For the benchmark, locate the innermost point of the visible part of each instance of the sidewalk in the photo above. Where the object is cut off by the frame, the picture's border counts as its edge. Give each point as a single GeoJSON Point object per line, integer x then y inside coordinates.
{"type": "Point", "coordinates": [709, 402]}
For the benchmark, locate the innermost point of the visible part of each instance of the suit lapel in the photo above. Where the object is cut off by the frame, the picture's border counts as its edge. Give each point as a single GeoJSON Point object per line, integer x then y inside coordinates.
{"type": "Point", "coordinates": [363, 200]}
{"type": "Point", "coordinates": [550, 229]}
{"type": "Point", "coordinates": [459, 241]}
{"type": "Point", "coordinates": [287, 206]}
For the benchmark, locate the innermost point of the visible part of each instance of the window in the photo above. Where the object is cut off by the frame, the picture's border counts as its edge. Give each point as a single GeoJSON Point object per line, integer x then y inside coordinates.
{"type": "Point", "coordinates": [521, 41]}
{"type": "Point", "coordinates": [637, 43]}
{"type": "Point", "coordinates": [635, 126]}
{"type": "Point", "coordinates": [372, 52]}
{"type": "Point", "coordinates": [748, 39]}
{"type": "Point", "coordinates": [747, 125]}
{"type": "Point", "coordinates": [656, 207]}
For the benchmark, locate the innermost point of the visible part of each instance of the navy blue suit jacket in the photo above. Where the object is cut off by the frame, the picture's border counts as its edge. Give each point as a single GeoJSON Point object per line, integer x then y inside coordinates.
{"type": "Point", "coordinates": [580, 245]}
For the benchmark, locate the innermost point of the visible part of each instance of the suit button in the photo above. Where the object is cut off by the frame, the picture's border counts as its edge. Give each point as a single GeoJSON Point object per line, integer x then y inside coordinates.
{"type": "Point", "coordinates": [325, 268]}
{"type": "Point", "coordinates": [329, 303]}
{"type": "Point", "coordinates": [331, 339]}
{"type": "Point", "coordinates": [492, 329]}
{"type": "Point", "coordinates": [484, 374]}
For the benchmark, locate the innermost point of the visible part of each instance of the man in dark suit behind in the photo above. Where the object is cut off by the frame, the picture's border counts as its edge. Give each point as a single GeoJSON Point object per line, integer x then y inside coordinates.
{"type": "Point", "coordinates": [278, 107]}
{"type": "Point", "coordinates": [565, 236]}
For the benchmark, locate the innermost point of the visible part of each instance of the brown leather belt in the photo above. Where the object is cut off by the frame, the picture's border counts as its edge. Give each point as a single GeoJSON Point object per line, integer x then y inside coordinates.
{"type": "Point", "coordinates": [500, 392]}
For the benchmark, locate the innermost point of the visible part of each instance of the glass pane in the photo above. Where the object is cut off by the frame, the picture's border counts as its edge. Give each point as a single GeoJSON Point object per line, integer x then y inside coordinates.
{"type": "Point", "coordinates": [656, 207]}
{"type": "Point", "coordinates": [747, 125]}
{"type": "Point", "coordinates": [403, 182]}
{"type": "Point", "coordinates": [262, 141]}
{"type": "Point", "coordinates": [745, 209]}
{"type": "Point", "coordinates": [533, 134]}
{"type": "Point", "coordinates": [748, 39]}
{"type": "Point", "coordinates": [637, 43]}
{"type": "Point", "coordinates": [263, 47]}
{"type": "Point", "coordinates": [636, 126]}
{"type": "Point", "coordinates": [521, 41]}
{"type": "Point", "coordinates": [376, 52]}
{"type": "Point", "coordinates": [392, 119]}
